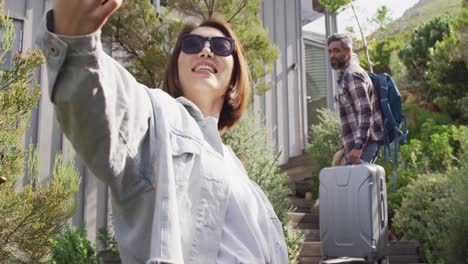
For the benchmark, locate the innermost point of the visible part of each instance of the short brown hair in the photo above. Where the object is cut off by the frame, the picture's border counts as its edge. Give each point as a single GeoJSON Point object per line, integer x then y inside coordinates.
{"type": "Point", "coordinates": [238, 93]}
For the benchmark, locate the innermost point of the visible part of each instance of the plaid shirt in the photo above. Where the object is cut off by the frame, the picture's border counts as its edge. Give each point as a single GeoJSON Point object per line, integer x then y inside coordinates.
{"type": "Point", "coordinates": [360, 115]}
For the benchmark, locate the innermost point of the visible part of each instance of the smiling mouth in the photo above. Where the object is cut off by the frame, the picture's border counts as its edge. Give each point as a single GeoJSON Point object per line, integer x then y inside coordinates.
{"type": "Point", "coordinates": [204, 67]}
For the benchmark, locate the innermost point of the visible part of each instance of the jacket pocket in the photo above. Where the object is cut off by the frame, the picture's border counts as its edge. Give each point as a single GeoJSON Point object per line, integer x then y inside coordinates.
{"type": "Point", "coordinates": [184, 152]}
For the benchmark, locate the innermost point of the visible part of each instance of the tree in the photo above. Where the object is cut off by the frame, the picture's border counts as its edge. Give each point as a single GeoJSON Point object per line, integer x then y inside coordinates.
{"type": "Point", "coordinates": [381, 50]}
{"type": "Point", "coordinates": [145, 37]}
{"type": "Point", "coordinates": [148, 37]}
{"type": "Point", "coordinates": [30, 217]}
{"type": "Point", "coordinates": [417, 54]}
{"type": "Point", "coordinates": [382, 18]}
{"type": "Point", "coordinates": [461, 27]}
{"type": "Point", "coordinates": [446, 76]}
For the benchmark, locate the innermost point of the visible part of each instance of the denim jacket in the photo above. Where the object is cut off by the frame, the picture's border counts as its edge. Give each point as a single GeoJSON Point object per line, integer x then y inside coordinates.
{"type": "Point", "coordinates": [162, 160]}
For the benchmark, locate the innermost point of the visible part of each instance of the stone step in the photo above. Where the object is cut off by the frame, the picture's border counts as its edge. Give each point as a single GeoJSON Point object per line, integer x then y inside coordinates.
{"type": "Point", "coordinates": [391, 260]}
{"type": "Point", "coordinates": [398, 252]}
{"type": "Point", "coordinates": [298, 217]}
{"type": "Point", "coordinates": [402, 247]}
{"type": "Point", "coordinates": [310, 249]}
{"type": "Point", "coordinates": [302, 205]}
{"type": "Point", "coordinates": [305, 225]}
{"type": "Point", "coordinates": [302, 160]}
{"type": "Point", "coordinates": [309, 260]}
{"type": "Point", "coordinates": [413, 259]}
{"type": "Point", "coordinates": [309, 234]}
{"type": "Point", "coordinates": [301, 187]}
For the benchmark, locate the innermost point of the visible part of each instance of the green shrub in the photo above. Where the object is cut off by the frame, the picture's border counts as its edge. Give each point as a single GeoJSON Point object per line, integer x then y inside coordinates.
{"type": "Point", "coordinates": [324, 142]}
{"type": "Point", "coordinates": [28, 218]}
{"type": "Point", "coordinates": [417, 116]}
{"type": "Point", "coordinates": [423, 215]}
{"type": "Point", "coordinates": [293, 239]}
{"type": "Point", "coordinates": [434, 210]}
{"type": "Point", "coordinates": [416, 55]}
{"type": "Point", "coordinates": [447, 70]}
{"type": "Point", "coordinates": [457, 242]}
{"type": "Point", "coordinates": [381, 51]}
{"type": "Point", "coordinates": [72, 247]}
{"type": "Point", "coordinates": [108, 242]}
{"type": "Point", "coordinates": [435, 150]}
{"type": "Point", "coordinates": [457, 245]}
{"type": "Point", "coordinates": [399, 71]}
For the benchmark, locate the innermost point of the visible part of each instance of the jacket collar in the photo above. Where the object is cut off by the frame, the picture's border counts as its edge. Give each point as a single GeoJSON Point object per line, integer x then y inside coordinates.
{"type": "Point", "coordinates": [192, 108]}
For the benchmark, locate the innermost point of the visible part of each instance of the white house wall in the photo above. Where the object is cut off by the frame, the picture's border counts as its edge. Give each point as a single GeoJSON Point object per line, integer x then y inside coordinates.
{"type": "Point", "coordinates": [281, 109]}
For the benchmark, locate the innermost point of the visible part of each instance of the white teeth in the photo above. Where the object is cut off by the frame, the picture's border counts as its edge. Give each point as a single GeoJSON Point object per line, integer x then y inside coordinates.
{"type": "Point", "coordinates": [204, 67]}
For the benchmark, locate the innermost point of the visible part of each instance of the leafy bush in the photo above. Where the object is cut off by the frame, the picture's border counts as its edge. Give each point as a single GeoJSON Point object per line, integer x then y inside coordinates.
{"type": "Point", "coordinates": [28, 218]}
{"type": "Point", "coordinates": [423, 215]}
{"type": "Point", "coordinates": [293, 239]}
{"type": "Point", "coordinates": [399, 71]}
{"type": "Point", "coordinates": [108, 242]}
{"type": "Point", "coordinates": [381, 51]}
{"type": "Point", "coordinates": [249, 142]}
{"type": "Point", "coordinates": [416, 55]}
{"type": "Point", "coordinates": [417, 116]}
{"type": "Point", "coordinates": [32, 216]}
{"type": "Point", "coordinates": [457, 245]}
{"type": "Point", "coordinates": [435, 150]}
{"type": "Point", "coordinates": [72, 247]}
{"type": "Point", "coordinates": [324, 141]}
{"type": "Point", "coordinates": [434, 210]}
{"type": "Point", "coordinates": [447, 77]}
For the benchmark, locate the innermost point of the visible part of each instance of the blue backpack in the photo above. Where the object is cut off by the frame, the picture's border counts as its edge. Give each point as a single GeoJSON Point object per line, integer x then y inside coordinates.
{"type": "Point", "coordinates": [392, 114]}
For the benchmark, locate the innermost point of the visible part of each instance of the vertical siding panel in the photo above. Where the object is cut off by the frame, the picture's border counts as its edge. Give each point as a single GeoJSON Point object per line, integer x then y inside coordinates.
{"type": "Point", "coordinates": [16, 8]}
{"type": "Point", "coordinates": [78, 217]}
{"type": "Point", "coordinates": [259, 100]}
{"type": "Point", "coordinates": [49, 135]}
{"type": "Point", "coordinates": [102, 207]}
{"type": "Point", "coordinates": [269, 96]}
{"type": "Point", "coordinates": [293, 88]}
{"type": "Point", "coordinates": [95, 205]}
{"type": "Point", "coordinates": [281, 84]}
{"type": "Point", "coordinates": [70, 154]}
{"type": "Point", "coordinates": [33, 14]}
{"type": "Point", "coordinates": [301, 80]}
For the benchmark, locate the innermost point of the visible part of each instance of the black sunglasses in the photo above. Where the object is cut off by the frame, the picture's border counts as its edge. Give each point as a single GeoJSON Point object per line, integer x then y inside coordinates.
{"type": "Point", "coordinates": [192, 43]}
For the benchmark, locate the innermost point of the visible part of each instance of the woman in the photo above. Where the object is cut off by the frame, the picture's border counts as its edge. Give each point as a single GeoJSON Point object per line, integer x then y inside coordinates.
{"type": "Point", "coordinates": [179, 194]}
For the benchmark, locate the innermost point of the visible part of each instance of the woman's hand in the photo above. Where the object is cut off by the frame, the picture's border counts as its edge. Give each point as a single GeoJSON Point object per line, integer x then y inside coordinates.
{"type": "Point", "coordinates": [82, 17]}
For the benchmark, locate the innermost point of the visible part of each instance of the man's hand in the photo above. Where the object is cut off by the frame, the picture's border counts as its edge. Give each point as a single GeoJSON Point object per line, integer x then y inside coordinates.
{"type": "Point", "coordinates": [82, 17]}
{"type": "Point", "coordinates": [355, 156]}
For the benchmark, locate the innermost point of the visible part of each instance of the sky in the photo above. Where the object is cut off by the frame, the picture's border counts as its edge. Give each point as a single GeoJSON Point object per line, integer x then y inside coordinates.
{"type": "Point", "coordinates": [365, 9]}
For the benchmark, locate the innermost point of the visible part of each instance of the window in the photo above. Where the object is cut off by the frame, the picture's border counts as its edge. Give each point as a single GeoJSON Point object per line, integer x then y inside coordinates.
{"type": "Point", "coordinates": [316, 81]}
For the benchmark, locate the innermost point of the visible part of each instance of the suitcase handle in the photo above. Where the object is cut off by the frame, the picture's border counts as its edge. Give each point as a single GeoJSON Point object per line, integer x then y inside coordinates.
{"type": "Point", "coordinates": [383, 210]}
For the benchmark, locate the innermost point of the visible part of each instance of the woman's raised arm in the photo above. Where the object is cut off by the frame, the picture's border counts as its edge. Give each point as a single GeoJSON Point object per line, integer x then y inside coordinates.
{"type": "Point", "coordinates": [82, 17]}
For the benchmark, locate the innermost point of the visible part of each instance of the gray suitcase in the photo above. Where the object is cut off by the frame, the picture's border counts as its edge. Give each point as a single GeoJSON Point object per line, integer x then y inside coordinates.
{"type": "Point", "coordinates": [353, 212]}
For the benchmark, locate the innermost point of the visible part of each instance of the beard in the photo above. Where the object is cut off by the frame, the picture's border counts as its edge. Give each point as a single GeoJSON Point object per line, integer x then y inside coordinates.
{"type": "Point", "coordinates": [338, 64]}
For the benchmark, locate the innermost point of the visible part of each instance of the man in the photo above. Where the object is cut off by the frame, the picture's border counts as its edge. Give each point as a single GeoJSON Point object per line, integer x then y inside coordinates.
{"type": "Point", "coordinates": [360, 116]}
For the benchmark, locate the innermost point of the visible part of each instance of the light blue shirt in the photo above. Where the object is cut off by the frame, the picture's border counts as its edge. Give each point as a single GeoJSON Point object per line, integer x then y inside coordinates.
{"type": "Point", "coordinates": [246, 232]}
